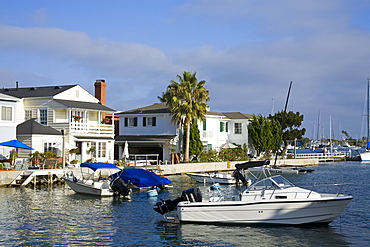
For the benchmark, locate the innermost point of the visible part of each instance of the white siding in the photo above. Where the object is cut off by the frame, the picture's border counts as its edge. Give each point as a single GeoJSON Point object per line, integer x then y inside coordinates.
{"type": "Point", "coordinates": [77, 93]}
{"type": "Point", "coordinates": [8, 128]}
{"type": "Point", "coordinates": [163, 126]}
{"type": "Point", "coordinates": [61, 116]}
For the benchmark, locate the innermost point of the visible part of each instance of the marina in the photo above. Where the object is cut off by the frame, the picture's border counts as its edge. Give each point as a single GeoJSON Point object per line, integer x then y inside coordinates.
{"type": "Point", "coordinates": [55, 215]}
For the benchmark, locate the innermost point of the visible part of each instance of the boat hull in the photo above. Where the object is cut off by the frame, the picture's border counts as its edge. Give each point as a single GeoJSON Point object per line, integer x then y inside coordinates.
{"type": "Point", "coordinates": [365, 156]}
{"type": "Point", "coordinates": [98, 189]}
{"type": "Point", "coordinates": [219, 178]}
{"type": "Point", "coordinates": [291, 212]}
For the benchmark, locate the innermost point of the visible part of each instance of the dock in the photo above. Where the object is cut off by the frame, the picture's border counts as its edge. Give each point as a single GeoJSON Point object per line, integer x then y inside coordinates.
{"type": "Point", "coordinates": [22, 178]}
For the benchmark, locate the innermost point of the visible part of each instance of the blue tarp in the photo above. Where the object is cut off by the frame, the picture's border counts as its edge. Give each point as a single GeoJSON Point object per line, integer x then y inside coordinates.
{"type": "Point", "coordinates": [99, 165]}
{"type": "Point", "coordinates": [141, 178]}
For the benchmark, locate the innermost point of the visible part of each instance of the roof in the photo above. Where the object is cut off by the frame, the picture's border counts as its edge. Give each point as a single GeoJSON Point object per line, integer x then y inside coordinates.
{"type": "Point", "coordinates": [4, 97]}
{"type": "Point", "coordinates": [163, 108]}
{"type": "Point", "coordinates": [84, 105]}
{"type": "Point", "coordinates": [144, 138]}
{"type": "Point", "coordinates": [34, 92]}
{"type": "Point", "coordinates": [31, 127]}
{"type": "Point", "coordinates": [155, 108]}
{"type": "Point", "coordinates": [237, 115]}
{"type": "Point", "coordinates": [93, 138]}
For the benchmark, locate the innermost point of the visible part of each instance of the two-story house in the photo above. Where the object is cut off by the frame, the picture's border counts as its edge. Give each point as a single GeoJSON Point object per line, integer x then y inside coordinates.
{"type": "Point", "coordinates": [227, 127]}
{"type": "Point", "coordinates": [149, 130]}
{"type": "Point", "coordinates": [71, 110]}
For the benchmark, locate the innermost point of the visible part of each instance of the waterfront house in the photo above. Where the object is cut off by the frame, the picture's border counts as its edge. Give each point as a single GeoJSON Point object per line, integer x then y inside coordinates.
{"type": "Point", "coordinates": [149, 130]}
{"type": "Point", "coordinates": [71, 110]}
{"type": "Point", "coordinates": [8, 108]}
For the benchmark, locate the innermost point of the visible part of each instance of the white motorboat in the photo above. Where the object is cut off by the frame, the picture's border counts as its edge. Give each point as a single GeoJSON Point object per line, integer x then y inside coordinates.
{"type": "Point", "coordinates": [103, 182]}
{"type": "Point", "coordinates": [214, 177]}
{"type": "Point", "coordinates": [270, 200]}
{"type": "Point", "coordinates": [98, 181]}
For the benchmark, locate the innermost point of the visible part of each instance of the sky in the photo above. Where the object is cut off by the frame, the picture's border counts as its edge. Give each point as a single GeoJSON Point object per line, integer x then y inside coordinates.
{"type": "Point", "coordinates": [247, 51]}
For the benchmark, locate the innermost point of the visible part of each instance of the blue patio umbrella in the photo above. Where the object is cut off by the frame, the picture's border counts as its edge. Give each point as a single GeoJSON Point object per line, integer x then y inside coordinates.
{"type": "Point", "coordinates": [15, 144]}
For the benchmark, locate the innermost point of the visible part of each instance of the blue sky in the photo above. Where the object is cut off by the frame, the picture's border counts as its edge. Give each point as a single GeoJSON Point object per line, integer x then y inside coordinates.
{"type": "Point", "coordinates": [247, 51]}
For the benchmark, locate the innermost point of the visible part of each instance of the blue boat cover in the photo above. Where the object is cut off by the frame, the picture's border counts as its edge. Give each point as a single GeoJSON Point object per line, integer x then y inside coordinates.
{"type": "Point", "coordinates": [98, 165]}
{"type": "Point", "coordinates": [141, 178]}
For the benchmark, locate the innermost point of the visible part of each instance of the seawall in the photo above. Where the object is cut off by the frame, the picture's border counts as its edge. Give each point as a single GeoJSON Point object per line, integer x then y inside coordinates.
{"type": "Point", "coordinates": [6, 177]}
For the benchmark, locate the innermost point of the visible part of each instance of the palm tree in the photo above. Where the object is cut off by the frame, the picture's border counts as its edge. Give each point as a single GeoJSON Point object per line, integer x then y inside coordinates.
{"type": "Point", "coordinates": [186, 100]}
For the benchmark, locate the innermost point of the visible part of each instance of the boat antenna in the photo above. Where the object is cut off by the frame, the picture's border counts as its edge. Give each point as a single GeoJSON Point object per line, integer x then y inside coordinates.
{"type": "Point", "coordinates": [283, 117]}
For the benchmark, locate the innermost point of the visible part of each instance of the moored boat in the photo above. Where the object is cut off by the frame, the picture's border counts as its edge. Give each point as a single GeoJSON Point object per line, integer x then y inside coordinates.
{"type": "Point", "coordinates": [213, 177]}
{"type": "Point", "coordinates": [97, 182]}
{"type": "Point", "coordinates": [269, 200]}
{"type": "Point", "coordinates": [103, 182]}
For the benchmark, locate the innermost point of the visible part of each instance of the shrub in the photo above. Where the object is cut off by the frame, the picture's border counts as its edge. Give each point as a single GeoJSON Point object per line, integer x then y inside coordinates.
{"type": "Point", "coordinates": [210, 156]}
{"type": "Point", "coordinates": [233, 154]}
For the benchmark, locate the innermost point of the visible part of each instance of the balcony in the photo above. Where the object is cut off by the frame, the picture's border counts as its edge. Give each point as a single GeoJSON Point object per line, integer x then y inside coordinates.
{"type": "Point", "coordinates": [89, 129]}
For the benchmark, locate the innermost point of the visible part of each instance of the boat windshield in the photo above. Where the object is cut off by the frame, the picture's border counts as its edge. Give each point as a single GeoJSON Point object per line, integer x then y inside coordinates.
{"type": "Point", "coordinates": [275, 182]}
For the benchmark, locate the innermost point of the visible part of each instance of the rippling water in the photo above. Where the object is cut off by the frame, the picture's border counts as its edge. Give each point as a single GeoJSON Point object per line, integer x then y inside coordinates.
{"type": "Point", "coordinates": [59, 217]}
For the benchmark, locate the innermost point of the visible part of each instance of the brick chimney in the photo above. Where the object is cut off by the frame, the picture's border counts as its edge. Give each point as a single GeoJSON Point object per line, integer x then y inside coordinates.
{"type": "Point", "coordinates": [100, 91]}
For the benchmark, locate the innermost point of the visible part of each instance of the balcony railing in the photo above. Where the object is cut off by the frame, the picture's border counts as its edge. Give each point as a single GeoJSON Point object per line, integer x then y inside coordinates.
{"type": "Point", "coordinates": [91, 129]}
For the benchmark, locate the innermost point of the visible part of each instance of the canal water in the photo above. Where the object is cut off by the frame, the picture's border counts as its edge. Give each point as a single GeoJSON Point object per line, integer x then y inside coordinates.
{"type": "Point", "coordinates": [58, 217]}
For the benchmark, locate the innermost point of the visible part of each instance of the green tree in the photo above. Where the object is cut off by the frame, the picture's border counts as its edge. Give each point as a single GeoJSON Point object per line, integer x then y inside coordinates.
{"type": "Point", "coordinates": [195, 144]}
{"type": "Point", "coordinates": [186, 100]}
{"type": "Point", "coordinates": [289, 122]}
{"type": "Point", "coordinates": [265, 134]}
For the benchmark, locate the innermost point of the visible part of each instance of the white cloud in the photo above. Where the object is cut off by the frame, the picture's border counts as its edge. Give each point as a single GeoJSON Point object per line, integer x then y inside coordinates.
{"type": "Point", "coordinates": [312, 43]}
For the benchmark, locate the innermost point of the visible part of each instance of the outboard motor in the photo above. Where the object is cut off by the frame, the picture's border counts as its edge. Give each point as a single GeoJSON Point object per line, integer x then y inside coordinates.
{"type": "Point", "coordinates": [191, 195]}
{"type": "Point", "coordinates": [119, 187]}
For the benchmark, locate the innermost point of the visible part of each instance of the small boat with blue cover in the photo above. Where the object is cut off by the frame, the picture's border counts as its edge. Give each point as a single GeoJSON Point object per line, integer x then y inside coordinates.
{"type": "Point", "coordinates": [109, 180]}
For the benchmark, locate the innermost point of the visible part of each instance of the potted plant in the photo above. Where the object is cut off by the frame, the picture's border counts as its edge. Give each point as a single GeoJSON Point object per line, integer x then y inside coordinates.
{"type": "Point", "coordinates": [13, 156]}
{"type": "Point", "coordinates": [105, 120]}
{"type": "Point", "coordinates": [77, 118]}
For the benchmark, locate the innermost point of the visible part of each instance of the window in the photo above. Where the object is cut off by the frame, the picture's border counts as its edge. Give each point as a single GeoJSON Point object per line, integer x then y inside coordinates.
{"type": "Point", "coordinates": [237, 128]}
{"type": "Point", "coordinates": [224, 127]}
{"type": "Point", "coordinates": [50, 147]}
{"type": "Point", "coordinates": [149, 121]}
{"type": "Point", "coordinates": [27, 115]}
{"type": "Point", "coordinates": [102, 150]}
{"type": "Point", "coordinates": [93, 146]}
{"type": "Point", "coordinates": [222, 124]}
{"type": "Point", "coordinates": [43, 116]}
{"type": "Point", "coordinates": [6, 113]}
{"type": "Point", "coordinates": [131, 121]}
{"type": "Point", "coordinates": [204, 125]}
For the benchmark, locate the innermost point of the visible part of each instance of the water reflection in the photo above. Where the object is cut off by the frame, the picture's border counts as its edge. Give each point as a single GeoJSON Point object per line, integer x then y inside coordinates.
{"type": "Point", "coordinates": [56, 216]}
{"type": "Point", "coordinates": [223, 235]}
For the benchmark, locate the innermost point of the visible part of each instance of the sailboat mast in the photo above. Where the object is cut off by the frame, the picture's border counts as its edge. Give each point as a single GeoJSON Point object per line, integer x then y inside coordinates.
{"type": "Point", "coordinates": [368, 115]}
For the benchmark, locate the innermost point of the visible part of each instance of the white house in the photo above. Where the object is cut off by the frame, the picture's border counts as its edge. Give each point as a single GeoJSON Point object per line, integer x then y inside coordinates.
{"type": "Point", "coordinates": [72, 110]}
{"type": "Point", "coordinates": [149, 130]}
{"type": "Point", "coordinates": [228, 127]}
{"type": "Point", "coordinates": [8, 122]}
